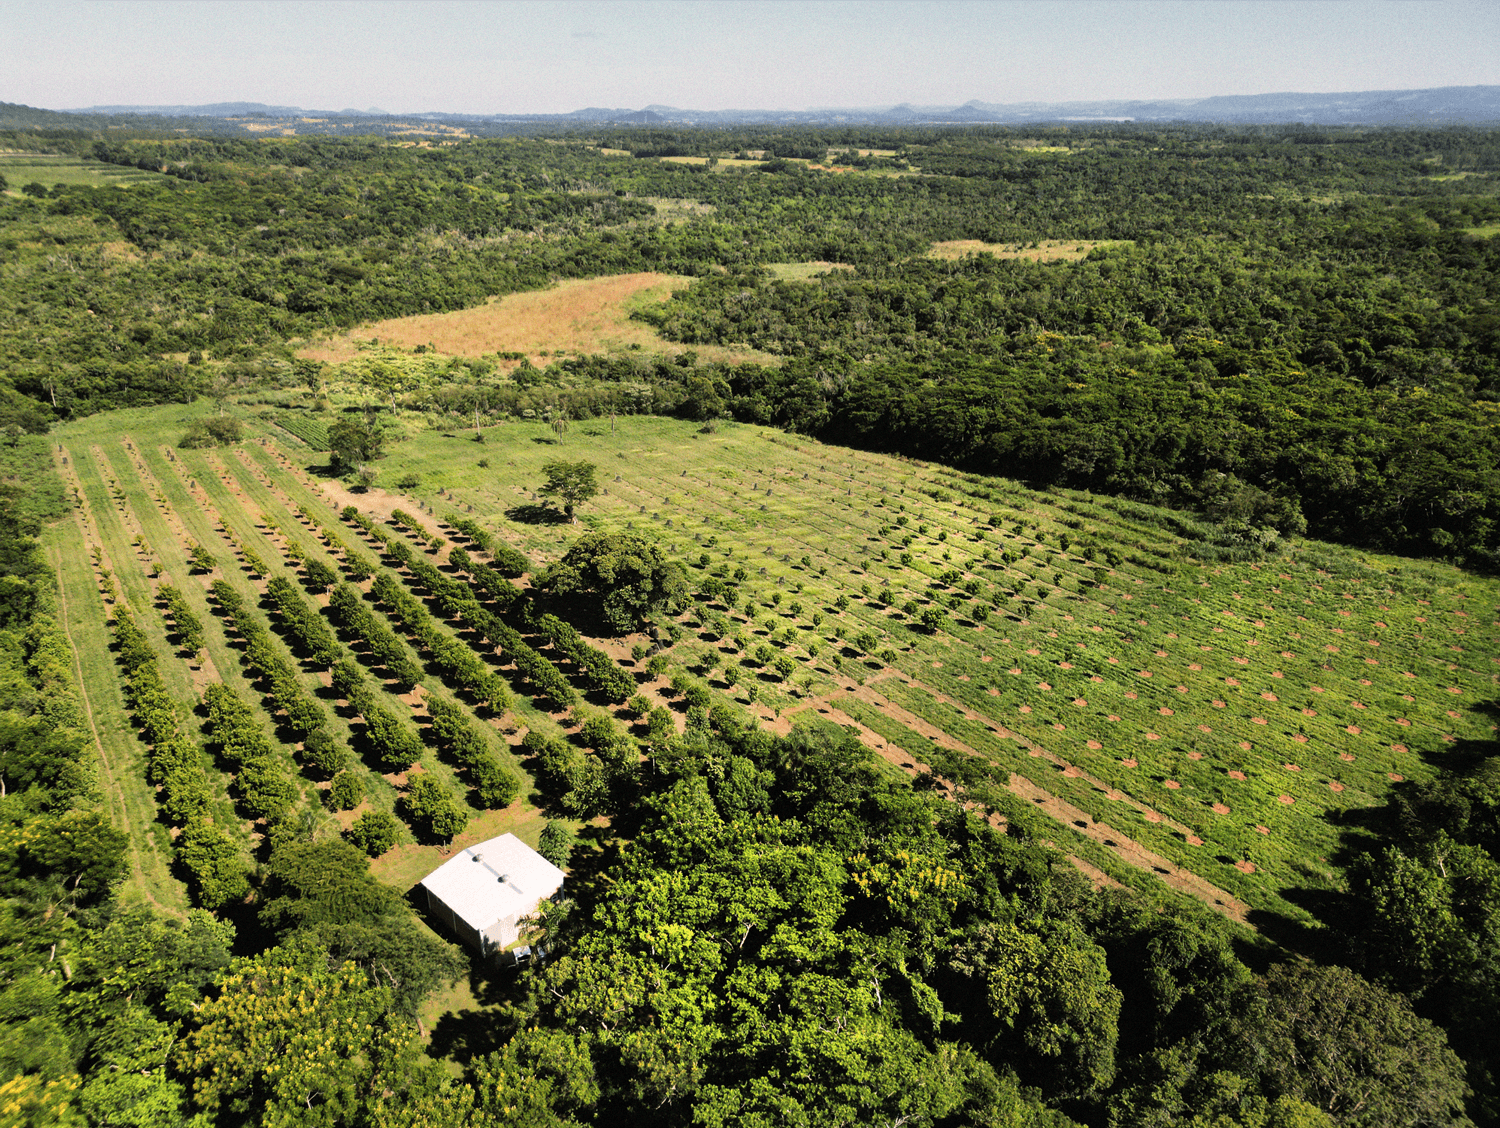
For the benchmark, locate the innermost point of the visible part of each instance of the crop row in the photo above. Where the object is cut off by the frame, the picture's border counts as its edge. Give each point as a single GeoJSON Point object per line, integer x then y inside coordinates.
{"type": "Point", "coordinates": [460, 668]}
{"type": "Point", "coordinates": [396, 745]}
{"type": "Point", "coordinates": [185, 623]}
{"type": "Point", "coordinates": [405, 520]}
{"type": "Point", "coordinates": [175, 763]}
{"type": "Point", "coordinates": [300, 711]}
{"type": "Point", "coordinates": [310, 431]}
{"type": "Point", "coordinates": [265, 791]}
{"type": "Point", "coordinates": [458, 602]}
{"type": "Point", "coordinates": [347, 606]}
{"type": "Point", "coordinates": [458, 737]}
{"type": "Point", "coordinates": [506, 560]}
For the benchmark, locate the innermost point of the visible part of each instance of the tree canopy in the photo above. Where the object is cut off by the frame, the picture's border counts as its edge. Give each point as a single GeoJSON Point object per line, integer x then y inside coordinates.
{"type": "Point", "coordinates": [623, 578]}
{"type": "Point", "coordinates": [571, 482]}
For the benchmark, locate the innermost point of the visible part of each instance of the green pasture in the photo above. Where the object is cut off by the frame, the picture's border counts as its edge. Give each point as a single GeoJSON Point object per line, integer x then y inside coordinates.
{"type": "Point", "coordinates": [1247, 705]}
{"type": "Point", "coordinates": [20, 169]}
{"type": "Point", "coordinates": [803, 271]}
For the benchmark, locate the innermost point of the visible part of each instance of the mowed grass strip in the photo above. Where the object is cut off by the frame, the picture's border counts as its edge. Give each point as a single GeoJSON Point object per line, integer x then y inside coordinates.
{"type": "Point", "coordinates": [129, 800]}
{"type": "Point", "coordinates": [115, 499]}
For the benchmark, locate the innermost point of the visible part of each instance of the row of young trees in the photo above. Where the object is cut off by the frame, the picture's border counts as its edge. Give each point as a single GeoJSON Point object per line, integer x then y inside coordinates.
{"type": "Point", "coordinates": [462, 669]}
{"type": "Point", "coordinates": [259, 776]}
{"type": "Point", "coordinates": [175, 763]}
{"type": "Point", "coordinates": [503, 559]}
{"type": "Point", "coordinates": [499, 591]}
{"type": "Point", "coordinates": [456, 734]}
{"type": "Point", "coordinates": [357, 621]}
{"type": "Point", "coordinates": [458, 603]}
{"type": "Point", "coordinates": [185, 622]}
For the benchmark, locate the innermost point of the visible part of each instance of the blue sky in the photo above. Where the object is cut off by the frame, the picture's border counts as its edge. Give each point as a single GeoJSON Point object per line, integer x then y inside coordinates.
{"type": "Point", "coordinates": [539, 57]}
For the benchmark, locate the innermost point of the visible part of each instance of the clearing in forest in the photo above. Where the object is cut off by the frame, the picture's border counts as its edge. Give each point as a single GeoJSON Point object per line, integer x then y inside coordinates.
{"type": "Point", "coordinates": [803, 271]}
{"type": "Point", "coordinates": [1048, 250]}
{"type": "Point", "coordinates": [49, 169]}
{"type": "Point", "coordinates": [576, 317]}
{"type": "Point", "coordinates": [1220, 715]}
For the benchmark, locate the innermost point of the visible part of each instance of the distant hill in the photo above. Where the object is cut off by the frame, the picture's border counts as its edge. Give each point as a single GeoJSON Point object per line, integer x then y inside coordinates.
{"type": "Point", "coordinates": [217, 109]}
{"type": "Point", "coordinates": [1449, 105]}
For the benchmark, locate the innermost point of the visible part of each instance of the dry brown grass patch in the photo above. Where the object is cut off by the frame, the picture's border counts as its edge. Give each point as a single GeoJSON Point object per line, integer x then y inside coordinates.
{"type": "Point", "coordinates": [1049, 250]}
{"type": "Point", "coordinates": [580, 316]}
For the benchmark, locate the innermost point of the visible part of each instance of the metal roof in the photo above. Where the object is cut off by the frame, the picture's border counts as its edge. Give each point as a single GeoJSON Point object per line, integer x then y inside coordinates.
{"type": "Point", "coordinates": [492, 880]}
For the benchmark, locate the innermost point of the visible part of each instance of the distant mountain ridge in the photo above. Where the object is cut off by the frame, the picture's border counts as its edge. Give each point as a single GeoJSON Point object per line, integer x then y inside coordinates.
{"type": "Point", "coordinates": [1449, 105]}
{"type": "Point", "coordinates": [223, 109]}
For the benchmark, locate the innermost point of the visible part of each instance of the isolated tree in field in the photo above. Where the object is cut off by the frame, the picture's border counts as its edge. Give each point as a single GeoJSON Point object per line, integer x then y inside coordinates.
{"type": "Point", "coordinates": [375, 832]}
{"type": "Point", "coordinates": [352, 443]}
{"type": "Point", "coordinates": [624, 576]}
{"type": "Point", "coordinates": [571, 482]}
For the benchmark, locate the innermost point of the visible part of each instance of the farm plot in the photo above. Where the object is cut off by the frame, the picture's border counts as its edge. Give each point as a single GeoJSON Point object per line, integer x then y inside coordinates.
{"type": "Point", "coordinates": [1043, 654]}
{"type": "Point", "coordinates": [1217, 714]}
{"type": "Point", "coordinates": [49, 169]}
{"type": "Point", "coordinates": [174, 546]}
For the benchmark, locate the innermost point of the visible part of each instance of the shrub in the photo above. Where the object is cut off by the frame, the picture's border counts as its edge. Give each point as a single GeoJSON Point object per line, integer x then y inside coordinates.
{"type": "Point", "coordinates": [220, 431]}
{"type": "Point", "coordinates": [346, 791]}
{"type": "Point", "coordinates": [495, 787]}
{"type": "Point", "coordinates": [323, 755]}
{"type": "Point", "coordinates": [375, 832]}
{"type": "Point", "coordinates": [556, 843]}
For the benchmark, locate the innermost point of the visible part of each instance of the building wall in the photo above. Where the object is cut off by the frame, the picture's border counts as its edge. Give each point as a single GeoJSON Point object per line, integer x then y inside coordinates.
{"type": "Point", "coordinates": [455, 925]}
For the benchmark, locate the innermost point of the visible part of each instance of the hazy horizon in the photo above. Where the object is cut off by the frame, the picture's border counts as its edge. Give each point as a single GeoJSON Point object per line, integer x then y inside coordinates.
{"type": "Point", "coordinates": [543, 57]}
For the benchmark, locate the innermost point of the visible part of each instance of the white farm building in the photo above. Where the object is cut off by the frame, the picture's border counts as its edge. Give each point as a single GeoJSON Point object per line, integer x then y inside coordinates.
{"type": "Point", "coordinates": [482, 892]}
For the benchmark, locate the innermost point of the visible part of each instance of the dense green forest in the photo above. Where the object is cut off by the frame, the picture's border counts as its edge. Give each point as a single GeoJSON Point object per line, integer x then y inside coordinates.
{"type": "Point", "coordinates": [1287, 330]}
{"type": "Point", "coordinates": [1309, 312]}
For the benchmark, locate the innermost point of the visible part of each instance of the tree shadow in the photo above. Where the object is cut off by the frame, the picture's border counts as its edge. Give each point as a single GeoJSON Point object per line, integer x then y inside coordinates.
{"type": "Point", "coordinates": [532, 513]}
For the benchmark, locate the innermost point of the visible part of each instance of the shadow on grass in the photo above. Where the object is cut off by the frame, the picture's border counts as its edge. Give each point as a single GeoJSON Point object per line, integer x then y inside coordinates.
{"type": "Point", "coordinates": [535, 514]}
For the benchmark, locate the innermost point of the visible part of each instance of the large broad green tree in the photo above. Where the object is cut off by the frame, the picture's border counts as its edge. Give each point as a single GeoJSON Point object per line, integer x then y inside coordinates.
{"type": "Point", "coordinates": [290, 1038]}
{"type": "Point", "coordinates": [572, 483]}
{"type": "Point", "coordinates": [353, 442]}
{"type": "Point", "coordinates": [1326, 1036]}
{"type": "Point", "coordinates": [625, 577]}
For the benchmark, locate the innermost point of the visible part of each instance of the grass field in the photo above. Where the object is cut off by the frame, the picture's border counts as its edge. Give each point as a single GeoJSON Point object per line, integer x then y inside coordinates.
{"type": "Point", "coordinates": [574, 317]}
{"type": "Point", "coordinates": [47, 169]}
{"type": "Point", "coordinates": [1487, 232]}
{"type": "Point", "coordinates": [803, 271]}
{"type": "Point", "coordinates": [1049, 250]}
{"type": "Point", "coordinates": [1205, 724]}
{"type": "Point", "coordinates": [1216, 714]}
{"type": "Point", "coordinates": [723, 162]}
